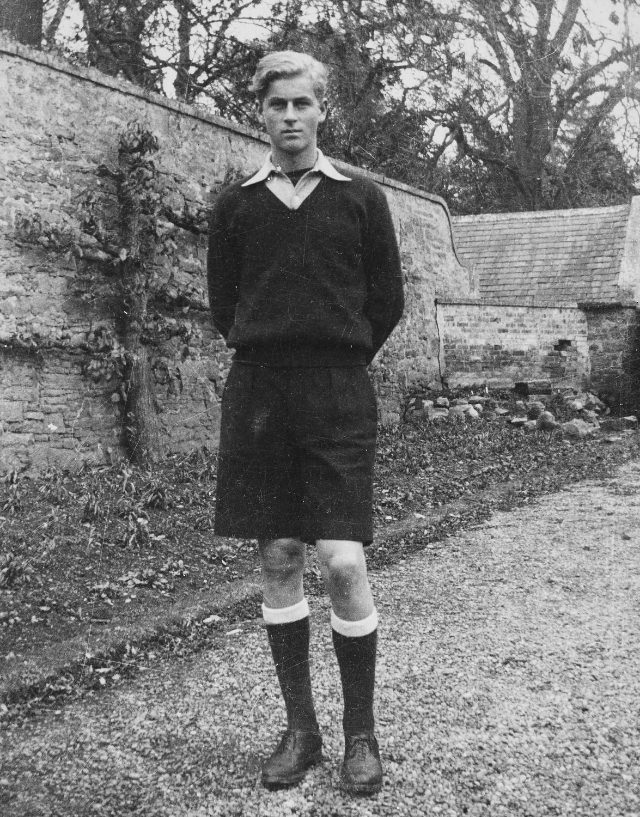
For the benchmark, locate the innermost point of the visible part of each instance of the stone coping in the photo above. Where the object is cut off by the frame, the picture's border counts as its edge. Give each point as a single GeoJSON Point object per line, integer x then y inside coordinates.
{"type": "Point", "coordinates": [527, 303]}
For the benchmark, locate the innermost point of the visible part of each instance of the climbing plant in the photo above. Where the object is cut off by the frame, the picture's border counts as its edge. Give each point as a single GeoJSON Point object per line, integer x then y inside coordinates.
{"type": "Point", "coordinates": [119, 256]}
{"type": "Point", "coordinates": [139, 202]}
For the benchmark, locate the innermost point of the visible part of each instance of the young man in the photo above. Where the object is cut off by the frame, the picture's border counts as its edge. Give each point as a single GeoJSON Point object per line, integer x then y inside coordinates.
{"type": "Point", "coordinates": [305, 285]}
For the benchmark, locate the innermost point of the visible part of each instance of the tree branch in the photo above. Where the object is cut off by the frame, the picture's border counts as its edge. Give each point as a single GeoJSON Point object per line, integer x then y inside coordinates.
{"type": "Point", "coordinates": [566, 25]}
{"type": "Point", "coordinates": [54, 25]}
{"type": "Point", "coordinates": [570, 98]}
{"type": "Point", "coordinates": [492, 39]}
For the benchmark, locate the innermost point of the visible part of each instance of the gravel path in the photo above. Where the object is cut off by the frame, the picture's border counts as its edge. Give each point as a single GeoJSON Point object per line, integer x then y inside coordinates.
{"type": "Point", "coordinates": [509, 684]}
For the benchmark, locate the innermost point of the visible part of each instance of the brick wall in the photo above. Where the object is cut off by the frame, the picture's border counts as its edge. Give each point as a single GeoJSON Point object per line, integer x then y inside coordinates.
{"type": "Point", "coordinates": [614, 350]}
{"type": "Point", "coordinates": [58, 126]}
{"type": "Point", "coordinates": [493, 343]}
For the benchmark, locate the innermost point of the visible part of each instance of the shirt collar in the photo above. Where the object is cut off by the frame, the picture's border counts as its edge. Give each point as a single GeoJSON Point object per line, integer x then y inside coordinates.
{"type": "Point", "coordinates": [322, 165]}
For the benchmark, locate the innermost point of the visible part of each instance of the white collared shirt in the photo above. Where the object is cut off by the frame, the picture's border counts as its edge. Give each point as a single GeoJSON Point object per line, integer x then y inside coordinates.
{"type": "Point", "coordinates": [281, 185]}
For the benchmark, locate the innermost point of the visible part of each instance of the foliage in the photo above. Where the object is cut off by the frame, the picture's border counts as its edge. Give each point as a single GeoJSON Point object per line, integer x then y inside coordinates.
{"type": "Point", "coordinates": [602, 178]}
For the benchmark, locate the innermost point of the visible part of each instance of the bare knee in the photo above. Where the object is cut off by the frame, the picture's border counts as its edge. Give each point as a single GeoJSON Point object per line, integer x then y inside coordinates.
{"type": "Point", "coordinates": [344, 572]}
{"type": "Point", "coordinates": [344, 569]}
{"type": "Point", "coordinates": [282, 559]}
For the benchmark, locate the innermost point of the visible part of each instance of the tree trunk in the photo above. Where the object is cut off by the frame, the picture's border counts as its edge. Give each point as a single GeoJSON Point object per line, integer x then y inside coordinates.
{"type": "Point", "coordinates": [532, 138]}
{"type": "Point", "coordinates": [141, 426]}
{"type": "Point", "coordinates": [138, 206]}
{"type": "Point", "coordinates": [182, 80]}
{"type": "Point", "coordinates": [23, 18]}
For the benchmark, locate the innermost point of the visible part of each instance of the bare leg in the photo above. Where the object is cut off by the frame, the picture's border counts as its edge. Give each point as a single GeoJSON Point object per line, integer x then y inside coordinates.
{"type": "Point", "coordinates": [282, 562]}
{"type": "Point", "coordinates": [344, 570]}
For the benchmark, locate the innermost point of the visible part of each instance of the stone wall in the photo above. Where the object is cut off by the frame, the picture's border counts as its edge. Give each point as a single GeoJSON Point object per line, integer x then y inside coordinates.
{"type": "Point", "coordinates": [73, 422]}
{"type": "Point", "coordinates": [497, 344]}
{"type": "Point", "coordinates": [59, 132]}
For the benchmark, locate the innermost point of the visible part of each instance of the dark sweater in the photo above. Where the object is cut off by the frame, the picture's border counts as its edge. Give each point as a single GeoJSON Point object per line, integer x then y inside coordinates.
{"type": "Point", "coordinates": [321, 285]}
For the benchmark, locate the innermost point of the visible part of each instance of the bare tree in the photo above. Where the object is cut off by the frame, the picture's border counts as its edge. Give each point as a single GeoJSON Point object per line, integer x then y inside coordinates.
{"type": "Point", "coordinates": [150, 41]}
{"type": "Point", "coordinates": [552, 80]}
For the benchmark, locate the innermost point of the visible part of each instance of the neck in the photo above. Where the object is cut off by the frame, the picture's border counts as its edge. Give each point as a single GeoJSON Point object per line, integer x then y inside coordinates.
{"type": "Point", "coordinates": [297, 161]}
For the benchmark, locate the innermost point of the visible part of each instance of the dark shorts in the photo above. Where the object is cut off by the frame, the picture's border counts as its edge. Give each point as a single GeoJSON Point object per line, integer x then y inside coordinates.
{"type": "Point", "coordinates": [297, 449]}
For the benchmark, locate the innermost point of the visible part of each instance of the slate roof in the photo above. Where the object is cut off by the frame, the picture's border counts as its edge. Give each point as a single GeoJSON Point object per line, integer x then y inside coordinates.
{"type": "Point", "coordinates": [553, 255]}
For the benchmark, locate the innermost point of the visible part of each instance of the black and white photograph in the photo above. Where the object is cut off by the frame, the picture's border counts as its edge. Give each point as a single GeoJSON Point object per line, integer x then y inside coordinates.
{"type": "Point", "coordinates": [319, 400]}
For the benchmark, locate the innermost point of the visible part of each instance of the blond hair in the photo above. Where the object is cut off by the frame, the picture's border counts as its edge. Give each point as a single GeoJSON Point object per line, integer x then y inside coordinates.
{"type": "Point", "coordinates": [282, 64]}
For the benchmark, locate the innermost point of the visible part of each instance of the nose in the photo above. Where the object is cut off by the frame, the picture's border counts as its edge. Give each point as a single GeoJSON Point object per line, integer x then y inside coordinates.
{"type": "Point", "coordinates": [290, 113]}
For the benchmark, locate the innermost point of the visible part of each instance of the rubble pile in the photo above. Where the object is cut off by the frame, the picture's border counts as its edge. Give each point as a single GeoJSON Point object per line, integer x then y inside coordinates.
{"type": "Point", "coordinates": [532, 406]}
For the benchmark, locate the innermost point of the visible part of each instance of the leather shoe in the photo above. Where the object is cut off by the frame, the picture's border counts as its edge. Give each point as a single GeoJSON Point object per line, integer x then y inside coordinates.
{"type": "Point", "coordinates": [296, 752]}
{"type": "Point", "coordinates": [361, 771]}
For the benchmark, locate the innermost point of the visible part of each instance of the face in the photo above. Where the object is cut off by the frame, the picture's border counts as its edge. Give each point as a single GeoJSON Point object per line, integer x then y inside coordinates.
{"type": "Point", "coordinates": [292, 113]}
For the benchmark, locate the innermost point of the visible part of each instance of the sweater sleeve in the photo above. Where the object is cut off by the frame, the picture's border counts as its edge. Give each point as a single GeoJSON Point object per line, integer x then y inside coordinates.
{"type": "Point", "coordinates": [222, 270]}
{"type": "Point", "coordinates": [385, 297]}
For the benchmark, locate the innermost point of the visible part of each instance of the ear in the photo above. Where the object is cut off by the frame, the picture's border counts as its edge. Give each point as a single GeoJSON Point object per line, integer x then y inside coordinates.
{"type": "Point", "coordinates": [324, 110]}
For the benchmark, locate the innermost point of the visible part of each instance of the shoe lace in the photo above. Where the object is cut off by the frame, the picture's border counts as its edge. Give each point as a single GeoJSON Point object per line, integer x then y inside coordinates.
{"type": "Point", "coordinates": [288, 739]}
{"type": "Point", "coordinates": [359, 747]}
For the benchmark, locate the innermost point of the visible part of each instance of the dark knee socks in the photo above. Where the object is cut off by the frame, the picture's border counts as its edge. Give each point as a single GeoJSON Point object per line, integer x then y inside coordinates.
{"type": "Point", "coordinates": [288, 633]}
{"type": "Point", "coordinates": [355, 643]}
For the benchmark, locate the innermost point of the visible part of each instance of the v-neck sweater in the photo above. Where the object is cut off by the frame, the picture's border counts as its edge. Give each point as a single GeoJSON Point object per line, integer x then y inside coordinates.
{"type": "Point", "coordinates": [320, 285]}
